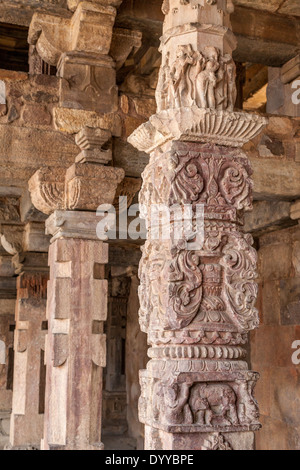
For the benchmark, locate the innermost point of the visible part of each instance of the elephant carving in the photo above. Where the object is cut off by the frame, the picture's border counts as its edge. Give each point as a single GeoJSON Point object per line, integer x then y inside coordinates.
{"type": "Point", "coordinates": [214, 404]}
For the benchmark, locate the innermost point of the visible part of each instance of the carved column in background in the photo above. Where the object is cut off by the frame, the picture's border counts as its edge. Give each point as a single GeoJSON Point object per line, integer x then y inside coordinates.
{"type": "Point", "coordinates": [29, 348]}
{"type": "Point", "coordinates": [7, 326]}
{"type": "Point", "coordinates": [198, 303]}
{"type": "Point", "coordinates": [7, 321]}
{"type": "Point", "coordinates": [114, 403]}
{"type": "Point", "coordinates": [76, 350]}
{"type": "Point", "coordinates": [77, 293]}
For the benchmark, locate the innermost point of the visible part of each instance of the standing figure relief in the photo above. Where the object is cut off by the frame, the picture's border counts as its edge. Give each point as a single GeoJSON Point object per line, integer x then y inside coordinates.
{"type": "Point", "coordinates": [204, 79]}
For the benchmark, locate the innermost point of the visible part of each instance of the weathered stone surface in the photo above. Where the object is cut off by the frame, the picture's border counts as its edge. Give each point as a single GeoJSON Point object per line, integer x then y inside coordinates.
{"type": "Point", "coordinates": [291, 70]}
{"type": "Point", "coordinates": [77, 308]}
{"type": "Point", "coordinates": [290, 301]}
{"type": "Point", "coordinates": [11, 237]}
{"type": "Point", "coordinates": [36, 115]}
{"type": "Point", "coordinates": [54, 35]}
{"type": "Point", "coordinates": [6, 363]}
{"type": "Point", "coordinates": [275, 178]}
{"type": "Point", "coordinates": [91, 142]}
{"type": "Point", "coordinates": [267, 216]}
{"type": "Point", "coordinates": [23, 147]}
{"type": "Point", "coordinates": [95, 86]}
{"type": "Point", "coordinates": [29, 375]}
{"type": "Point", "coordinates": [72, 121]}
{"type": "Point", "coordinates": [84, 186]}
{"type": "Point", "coordinates": [281, 90]}
{"type": "Point", "coordinates": [295, 211]}
{"type": "Point", "coordinates": [271, 345]}
{"type": "Point", "coordinates": [72, 224]}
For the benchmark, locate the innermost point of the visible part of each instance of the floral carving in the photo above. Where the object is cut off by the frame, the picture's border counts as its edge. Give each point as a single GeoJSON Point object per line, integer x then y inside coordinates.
{"type": "Point", "coordinates": [240, 261]}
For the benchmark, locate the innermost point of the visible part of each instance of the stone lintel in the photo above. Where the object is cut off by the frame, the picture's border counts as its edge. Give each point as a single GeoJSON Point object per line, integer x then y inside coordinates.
{"type": "Point", "coordinates": [291, 70]}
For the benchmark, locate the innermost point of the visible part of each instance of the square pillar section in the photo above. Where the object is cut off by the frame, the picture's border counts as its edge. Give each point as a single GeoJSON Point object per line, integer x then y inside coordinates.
{"type": "Point", "coordinates": [198, 269]}
{"type": "Point", "coordinates": [76, 345]}
{"type": "Point", "coordinates": [27, 416]}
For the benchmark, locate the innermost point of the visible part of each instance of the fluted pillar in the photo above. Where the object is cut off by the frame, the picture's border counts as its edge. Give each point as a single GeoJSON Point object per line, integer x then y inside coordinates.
{"type": "Point", "coordinates": [198, 288]}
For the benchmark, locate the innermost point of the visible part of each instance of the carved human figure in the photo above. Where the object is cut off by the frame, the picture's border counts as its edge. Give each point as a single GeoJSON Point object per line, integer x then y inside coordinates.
{"type": "Point", "coordinates": [226, 91]}
{"type": "Point", "coordinates": [207, 79]}
{"type": "Point", "coordinates": [231, 85]}
{"type": "Point", "coordinates": [213, 404]}
{"type": "Point", "coordinates": [171, 403]}
{"type": "Point", "coordinates": [247, 405]}
{"type": "Point", "coordinates": [179, 76]}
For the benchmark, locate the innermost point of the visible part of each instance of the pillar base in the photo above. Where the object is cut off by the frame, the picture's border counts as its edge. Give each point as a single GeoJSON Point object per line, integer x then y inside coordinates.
{"type": "Point", "coordinates": [156, 439]}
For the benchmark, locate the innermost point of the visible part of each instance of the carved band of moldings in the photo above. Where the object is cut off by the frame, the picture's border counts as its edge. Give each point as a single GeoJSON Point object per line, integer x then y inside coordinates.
{"type": "Point", "coordinates": [197, 352]}
{"type": "Point", "coordinates": [232, 129]}
{"type": "Point", "coordinates": [190, 337]}
{"type": "Point", "coordinates": [47, 189]}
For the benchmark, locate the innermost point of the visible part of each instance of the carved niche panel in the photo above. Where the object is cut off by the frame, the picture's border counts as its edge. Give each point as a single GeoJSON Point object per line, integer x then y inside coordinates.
{"type": "Point", "coordinates": [206, 79]}
{"type": "Point", "coordinates": [200, 406]}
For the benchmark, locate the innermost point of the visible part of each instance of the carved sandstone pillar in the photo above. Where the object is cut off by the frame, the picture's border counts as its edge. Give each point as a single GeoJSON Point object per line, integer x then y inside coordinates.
{"type": "Point", "coordinates": [76, 349]}
{"type": "Point", "coordinates": [198, 296]}
{"type": "Point", "coordinates": [77, 299]}
{"type": "Point", "coordinates": [7, 325]}
{"type": "Point", "coordinates": [29, 349]}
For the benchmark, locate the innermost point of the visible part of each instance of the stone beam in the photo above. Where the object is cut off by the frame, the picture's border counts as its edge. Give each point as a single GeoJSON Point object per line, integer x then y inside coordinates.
{"type": "Point", "coordinates": [268, 216]}
{"type": "Point", "coordinates": [273, 38]}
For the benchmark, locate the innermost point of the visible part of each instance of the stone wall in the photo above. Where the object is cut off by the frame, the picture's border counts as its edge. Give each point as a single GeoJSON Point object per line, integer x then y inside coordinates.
{"type": "Point", "coordinates": [271, 346]}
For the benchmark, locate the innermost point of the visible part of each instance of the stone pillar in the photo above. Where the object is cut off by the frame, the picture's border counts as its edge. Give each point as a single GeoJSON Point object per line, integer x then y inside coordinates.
{"type": "Point", "coordinates": [136, 359]}
{"type": "Point", "coordinates": [114, 404]}
{"type": "Point", "coordinates": [29, 349]}
{"type": "Point", "coordinates": [198, 294]}
{"type": "Point", "coordinates": [7, 325]}
{"type": "Point", "coordinates": [76, 349]}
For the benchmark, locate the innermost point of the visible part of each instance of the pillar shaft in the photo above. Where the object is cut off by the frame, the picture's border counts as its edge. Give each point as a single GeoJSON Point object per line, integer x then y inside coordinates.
{"type": "Point", "coordinates": [198, 287]}
{"type": "Point", "coordinates": [76, 349]}
{"type": "Point", "coordinates": [29, 370]}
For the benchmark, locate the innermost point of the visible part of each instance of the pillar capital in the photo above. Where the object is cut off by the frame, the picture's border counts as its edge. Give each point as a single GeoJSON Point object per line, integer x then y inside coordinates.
{"type": "Point", "coordinates": [87, 50]}
{"type": "Point", "coordinates": [83, 186]}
